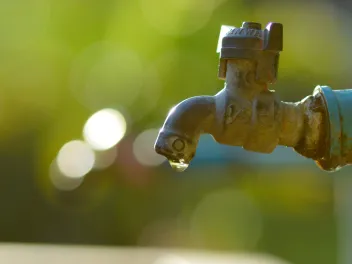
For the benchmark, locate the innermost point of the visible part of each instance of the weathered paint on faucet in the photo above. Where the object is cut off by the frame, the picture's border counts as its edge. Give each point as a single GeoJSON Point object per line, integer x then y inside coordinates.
{"type": "Point", "coordinates": [247, 113]}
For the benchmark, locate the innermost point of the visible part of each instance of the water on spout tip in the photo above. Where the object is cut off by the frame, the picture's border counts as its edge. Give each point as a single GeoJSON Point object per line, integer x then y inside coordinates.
{"type": "Point", "coordinates": [178, 166]}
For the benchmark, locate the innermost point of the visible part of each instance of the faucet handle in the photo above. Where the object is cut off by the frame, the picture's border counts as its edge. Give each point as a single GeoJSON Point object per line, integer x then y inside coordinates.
{"type": "Point", "coordinates": [253, 43]}
{"type": "Point", "coordinates": [274, 40]}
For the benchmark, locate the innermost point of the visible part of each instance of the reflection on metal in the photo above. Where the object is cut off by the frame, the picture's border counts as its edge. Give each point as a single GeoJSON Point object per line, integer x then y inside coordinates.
{"type": "Point", "coordinates": [246, 113]}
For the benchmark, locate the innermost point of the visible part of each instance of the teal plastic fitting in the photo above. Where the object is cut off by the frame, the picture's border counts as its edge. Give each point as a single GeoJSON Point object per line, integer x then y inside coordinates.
{"type": "Point", "coordinates": [338, 105]}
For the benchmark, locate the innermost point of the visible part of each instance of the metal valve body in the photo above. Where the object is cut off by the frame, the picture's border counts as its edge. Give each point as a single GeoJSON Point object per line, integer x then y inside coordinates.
{"type": "Point", "coordinates": [246, 113]}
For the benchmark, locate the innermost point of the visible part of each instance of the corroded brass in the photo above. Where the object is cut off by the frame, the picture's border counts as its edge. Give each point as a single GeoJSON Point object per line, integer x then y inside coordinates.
{"type": "Point", "coordinates": [246, 112]}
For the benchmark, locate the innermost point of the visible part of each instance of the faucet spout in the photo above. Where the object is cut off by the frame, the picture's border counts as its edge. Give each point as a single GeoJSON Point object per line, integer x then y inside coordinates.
{"type": "Point", "coordinates": [179, 136]}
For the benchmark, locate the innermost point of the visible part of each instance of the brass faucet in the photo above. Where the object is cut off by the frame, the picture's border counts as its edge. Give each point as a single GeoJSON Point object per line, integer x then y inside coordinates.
{"type": "Point", "coordinates": [247, 113]}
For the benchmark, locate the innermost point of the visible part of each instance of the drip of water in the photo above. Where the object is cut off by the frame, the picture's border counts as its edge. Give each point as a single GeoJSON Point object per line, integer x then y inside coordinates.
{"type": "Point", "coordinates": [179, 166]}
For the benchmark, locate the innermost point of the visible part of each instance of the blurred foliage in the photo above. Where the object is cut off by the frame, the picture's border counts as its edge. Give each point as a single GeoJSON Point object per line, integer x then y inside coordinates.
{"type": "Point", "coordinates": [63, 60]}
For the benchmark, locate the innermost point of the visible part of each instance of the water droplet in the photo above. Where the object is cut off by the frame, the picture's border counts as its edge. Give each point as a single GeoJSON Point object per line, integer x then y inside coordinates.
{"type": "Point", "coordinates": [178, 166]}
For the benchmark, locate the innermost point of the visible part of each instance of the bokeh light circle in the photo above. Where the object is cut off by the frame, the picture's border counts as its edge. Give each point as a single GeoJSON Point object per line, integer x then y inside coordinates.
{"type": "Point", "coordinates": [104, 159]}
{"type": "Point", "coordinates": [75, 159]}
{"type": "Point", "coordinates": [62, 182]}
{"type": "Point", "coordinates": [104, 129]}
{"type": "Point", "coordinates": [178, 17]}
{"type": "Point", "coordinates": [143, 148]}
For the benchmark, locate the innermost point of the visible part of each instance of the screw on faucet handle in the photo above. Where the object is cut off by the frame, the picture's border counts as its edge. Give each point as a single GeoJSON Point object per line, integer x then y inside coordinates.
{"type": "Point", "coordinates": [252, 25]}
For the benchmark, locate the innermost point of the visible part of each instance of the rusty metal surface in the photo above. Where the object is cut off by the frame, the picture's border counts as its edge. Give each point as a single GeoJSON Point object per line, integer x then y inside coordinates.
{"type": "Point", "coordinates": [246, 113]}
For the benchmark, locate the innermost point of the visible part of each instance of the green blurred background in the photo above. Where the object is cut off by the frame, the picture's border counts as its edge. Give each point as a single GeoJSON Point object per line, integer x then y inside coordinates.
{"type": "Point", "coordinates": [74, 173]}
